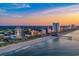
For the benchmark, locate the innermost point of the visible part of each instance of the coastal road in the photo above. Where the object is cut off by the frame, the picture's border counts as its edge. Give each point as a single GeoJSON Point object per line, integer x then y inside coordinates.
{"type": "Point", "coordinates": [45, 46]}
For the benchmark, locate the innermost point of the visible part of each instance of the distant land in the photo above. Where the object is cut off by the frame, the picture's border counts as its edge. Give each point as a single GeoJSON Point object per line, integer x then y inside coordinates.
{"type": "Point", "coordinates": [22, 26]}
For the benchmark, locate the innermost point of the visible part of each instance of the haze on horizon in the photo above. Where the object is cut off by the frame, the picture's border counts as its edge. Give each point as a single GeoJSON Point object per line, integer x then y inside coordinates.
{"type": "Point", "coordinates": [39, 13]}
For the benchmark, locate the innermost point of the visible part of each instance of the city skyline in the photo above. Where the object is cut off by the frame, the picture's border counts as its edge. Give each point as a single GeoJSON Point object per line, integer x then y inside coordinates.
{"type": "Point", "coordinates": [38, 13]}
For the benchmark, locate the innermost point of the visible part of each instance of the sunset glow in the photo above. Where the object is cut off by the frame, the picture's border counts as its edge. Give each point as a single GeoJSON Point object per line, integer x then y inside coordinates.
{"type": "Point", "coordinates": [39, 14]}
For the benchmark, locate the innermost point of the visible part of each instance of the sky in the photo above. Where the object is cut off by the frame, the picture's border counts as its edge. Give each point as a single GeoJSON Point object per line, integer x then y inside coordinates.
{"type": "Point", "coordinates": [39, 13]}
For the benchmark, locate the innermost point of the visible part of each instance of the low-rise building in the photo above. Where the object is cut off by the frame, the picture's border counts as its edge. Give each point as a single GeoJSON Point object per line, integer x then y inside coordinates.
{"type": "Point", "coordinates": [1, 36]}
{"type": "Point", "coordinates": [43, 31]}
{"type": "Point", "coordinates": [7, 37]}
{"type": "Point", "coordinates": [13, 37]}
{"type": "Point", "coordinates": [34, 33]}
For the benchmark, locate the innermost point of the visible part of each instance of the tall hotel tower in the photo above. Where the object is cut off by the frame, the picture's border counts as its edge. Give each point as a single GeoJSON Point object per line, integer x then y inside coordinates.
{"type": "Point", "coordinates": [18, 32]}
{"type": "Point", "coordinates": [55, 27]}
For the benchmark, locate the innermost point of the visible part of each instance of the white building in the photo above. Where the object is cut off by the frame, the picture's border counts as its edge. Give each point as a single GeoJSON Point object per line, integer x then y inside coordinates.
{"type": "Point", "coordinates": [18, 32]}
{"type": "Point", "coordinates": [49, 30]}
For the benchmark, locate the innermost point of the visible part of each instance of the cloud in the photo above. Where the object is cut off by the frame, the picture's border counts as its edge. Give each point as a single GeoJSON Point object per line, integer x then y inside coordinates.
{"type": "Point", "coordinates": [18, 5]}
{"type": "Point", "coordinates": [2, 10]}
{"type": "Point", "coordinates": [63, 10]}
{"type": "Point", "coordinates": [7, 15]}
{"type": "Point", "coordinates": [49, 12]}
{"type": "Point", "coordinates": [22, 5]}
{"type": "Point", "coordinates": [57, 11]}
{"type": "Point", "coordinates": [4, 14]}
{"type": "Point", "coordinates": [17, 16]}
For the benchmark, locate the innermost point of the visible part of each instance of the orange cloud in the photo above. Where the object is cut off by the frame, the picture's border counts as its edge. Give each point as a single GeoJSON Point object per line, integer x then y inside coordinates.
{"type": "Point", "coordinates": [72, 18]}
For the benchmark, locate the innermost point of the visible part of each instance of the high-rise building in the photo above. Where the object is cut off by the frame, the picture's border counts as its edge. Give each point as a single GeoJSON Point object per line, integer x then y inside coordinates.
{"type": "Point", "coordinates": [18, 32]}
{"type": "Point", "coordinates": [49, 30]}
{"type": "Point", "coordinates": [55, 27]}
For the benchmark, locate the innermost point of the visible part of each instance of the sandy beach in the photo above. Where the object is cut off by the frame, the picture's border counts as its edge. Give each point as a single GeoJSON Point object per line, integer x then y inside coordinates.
{"type": "Point", "coordinates": [22, 45]}
{"type": "Point", "coordinates": [74, 35]}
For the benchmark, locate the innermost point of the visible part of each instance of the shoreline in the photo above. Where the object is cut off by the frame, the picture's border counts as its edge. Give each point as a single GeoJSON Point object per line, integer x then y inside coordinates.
{"type": "Point", "coordinates": [74, 35]}
{"type": "Point", "coordinates": [21, 45]}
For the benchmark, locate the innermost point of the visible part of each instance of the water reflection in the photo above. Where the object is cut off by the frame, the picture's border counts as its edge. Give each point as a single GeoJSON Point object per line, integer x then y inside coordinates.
{"type": "Point", "coordinates": [52, 43]}
{"type": "Point", "coordinates": [56, 40]}
{"type": "Point", "coordinates": [49, 43]}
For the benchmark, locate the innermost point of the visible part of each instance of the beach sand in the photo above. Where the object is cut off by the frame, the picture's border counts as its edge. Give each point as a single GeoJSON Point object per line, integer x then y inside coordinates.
{"type": "Point", "coordinates": [74, 35]}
